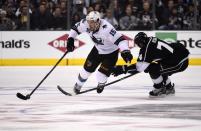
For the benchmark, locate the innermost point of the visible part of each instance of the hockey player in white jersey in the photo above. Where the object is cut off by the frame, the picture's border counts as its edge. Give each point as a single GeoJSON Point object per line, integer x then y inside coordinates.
{"type": "Point", "coordinates": [107, 44]}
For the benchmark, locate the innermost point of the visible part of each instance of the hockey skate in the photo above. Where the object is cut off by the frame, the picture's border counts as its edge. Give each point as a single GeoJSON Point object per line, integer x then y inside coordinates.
{"type": "Point", "coordinates": [77, 88]}
{"type": "Point", "coordinates": [158, 91]}
{"type": "Point", "coordinates": [100, 87]}
{"type": "Point", "coordinates": [170, 89]}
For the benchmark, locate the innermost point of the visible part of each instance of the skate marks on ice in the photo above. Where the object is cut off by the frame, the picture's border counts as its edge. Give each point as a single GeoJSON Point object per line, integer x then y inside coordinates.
{"type": "Point", "coordinates": [116, 109]}
{"type": "Point", "coordinates": [177, 111]}
{"type": "Point", "coordinates": [185, 104]}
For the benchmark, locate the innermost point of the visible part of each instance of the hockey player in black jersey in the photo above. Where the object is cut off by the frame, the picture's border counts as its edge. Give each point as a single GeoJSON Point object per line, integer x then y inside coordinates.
{"type": "Point", "coordinates": [160, 60]}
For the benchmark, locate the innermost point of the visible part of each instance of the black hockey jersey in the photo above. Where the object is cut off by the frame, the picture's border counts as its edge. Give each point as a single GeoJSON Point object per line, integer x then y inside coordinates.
{"type": "Point", "coordinates": [157, 50]}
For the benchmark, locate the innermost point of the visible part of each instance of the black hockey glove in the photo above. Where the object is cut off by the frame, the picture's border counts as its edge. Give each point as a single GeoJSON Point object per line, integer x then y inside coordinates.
{"type": "Point", "coordinates": [70, 44]}
{"type": "Point", "coordinates": [118, 70]}
{"type": "Point", "coordinates": [127, 56]}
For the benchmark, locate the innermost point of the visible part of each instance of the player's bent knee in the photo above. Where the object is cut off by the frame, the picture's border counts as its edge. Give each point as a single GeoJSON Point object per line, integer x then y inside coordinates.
{"type": "Point", "coordinates": [89, 68]}
{"type": "Point", "coordinates": [104, 70]}
{"type": "Point", "coordinates": [153, 70]}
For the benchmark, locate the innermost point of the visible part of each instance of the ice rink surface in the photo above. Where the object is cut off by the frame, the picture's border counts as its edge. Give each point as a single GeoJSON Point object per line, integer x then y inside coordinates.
{"type": "Point", "coordinates": [123, 106]}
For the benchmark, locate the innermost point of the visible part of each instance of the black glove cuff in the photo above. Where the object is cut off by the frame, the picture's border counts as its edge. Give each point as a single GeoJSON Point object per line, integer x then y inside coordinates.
{"type": "Point", "coordinates": [126, 55]}
{"type": "Point", "coordinates": [71, 40]}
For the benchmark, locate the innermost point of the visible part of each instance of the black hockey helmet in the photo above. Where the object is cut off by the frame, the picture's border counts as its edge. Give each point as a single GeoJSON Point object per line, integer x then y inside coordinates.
{"type": "Point", "coordinates": [141, 39]}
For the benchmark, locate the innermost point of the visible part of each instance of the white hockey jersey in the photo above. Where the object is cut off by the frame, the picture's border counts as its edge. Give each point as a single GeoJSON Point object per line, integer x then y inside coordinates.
{"type": "Point", "coordinates": [106, 39]}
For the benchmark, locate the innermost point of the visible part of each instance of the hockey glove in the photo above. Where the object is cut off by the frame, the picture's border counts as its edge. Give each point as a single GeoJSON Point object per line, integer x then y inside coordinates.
{"type": "Point", "coordinates": [118, 70]}
{"type": "Point", "coordinates": [70, 44]}
{"type": "Point", "coordinates": [127, 56]}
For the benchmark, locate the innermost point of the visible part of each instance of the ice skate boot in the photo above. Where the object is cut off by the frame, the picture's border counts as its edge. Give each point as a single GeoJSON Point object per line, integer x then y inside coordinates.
{"type": "Point", "coordinates": [77, 88]}
{"type": "Point", "coordinates": [158, 91]}
{"type": "Point", "coordinates": [170, 89]}
{"type": "Point", "coordinates": [100, 87]}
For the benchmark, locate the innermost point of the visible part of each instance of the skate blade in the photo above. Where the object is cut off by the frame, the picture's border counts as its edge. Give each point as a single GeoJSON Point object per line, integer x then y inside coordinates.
{"type": "Point", "coordinates": [160, 96]}
{"type": "Point", "coordinates": [170, 94]}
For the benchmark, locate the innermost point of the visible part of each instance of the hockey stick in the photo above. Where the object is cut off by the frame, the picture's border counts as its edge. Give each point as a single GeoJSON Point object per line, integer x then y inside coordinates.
{"type": "Point", "coordinates": [85, 91]}
{"type": "Point", "coordinates": [26, 97]}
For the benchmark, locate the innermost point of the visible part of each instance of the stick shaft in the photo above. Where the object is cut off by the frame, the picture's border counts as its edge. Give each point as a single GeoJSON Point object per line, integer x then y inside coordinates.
{"type": "Point", "coordinates": [109, 83]}
{"type": "Point", "coordinates": [48, 73]}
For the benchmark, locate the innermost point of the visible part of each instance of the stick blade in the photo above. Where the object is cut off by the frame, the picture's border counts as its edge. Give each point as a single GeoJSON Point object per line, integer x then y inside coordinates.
{"type": "Point", "coordinates": [62, 91]}
{"type": "Point", "coordinates": [19, 95]}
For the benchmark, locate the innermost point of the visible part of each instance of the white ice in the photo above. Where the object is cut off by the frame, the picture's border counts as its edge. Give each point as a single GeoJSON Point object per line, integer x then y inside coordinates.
{"type": "Point", "coordinates": [123, 106]}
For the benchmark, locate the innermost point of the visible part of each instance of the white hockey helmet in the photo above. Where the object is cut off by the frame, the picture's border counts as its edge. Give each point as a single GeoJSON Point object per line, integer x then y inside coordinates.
{"type": "Point", "coordinates": [93, 15]}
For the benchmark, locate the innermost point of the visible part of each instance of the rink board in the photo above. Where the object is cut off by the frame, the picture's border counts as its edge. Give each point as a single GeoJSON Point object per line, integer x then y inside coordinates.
{"type": "Point", "coordinates": [44, 48]}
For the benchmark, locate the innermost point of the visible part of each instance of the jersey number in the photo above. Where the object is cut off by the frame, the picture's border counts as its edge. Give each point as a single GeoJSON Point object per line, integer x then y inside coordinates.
{"type": "Point", "coordinates": [113, 32]}
{"type": "Point", "coordinates": [161, 44]}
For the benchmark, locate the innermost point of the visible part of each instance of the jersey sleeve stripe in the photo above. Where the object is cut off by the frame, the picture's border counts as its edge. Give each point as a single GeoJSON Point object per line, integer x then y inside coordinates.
{"type": "Point", "coordinates": [119, 40]}
{"type": "Point", "coordinates": [147, 48]}
{"type": "Point", "coordinates": [75, 29]}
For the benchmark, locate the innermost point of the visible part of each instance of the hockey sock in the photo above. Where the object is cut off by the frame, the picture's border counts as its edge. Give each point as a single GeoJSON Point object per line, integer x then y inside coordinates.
{"type": "Point", "coordinates": [82, 77]}
{"type": "Point", "coordinates": [168, 81]}
{"type": "Point", "coordinates": [157, 80]}
{"type": "Point", "coordinates": [101, 78]}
